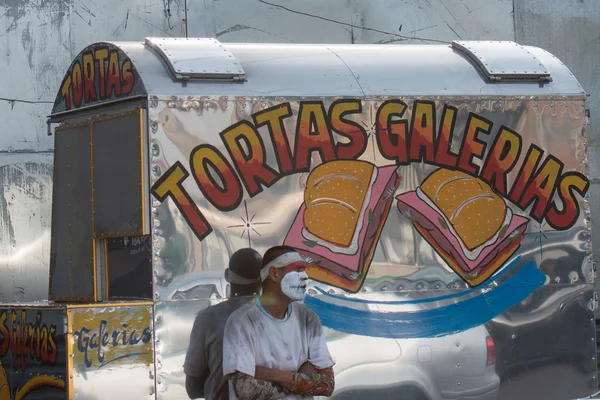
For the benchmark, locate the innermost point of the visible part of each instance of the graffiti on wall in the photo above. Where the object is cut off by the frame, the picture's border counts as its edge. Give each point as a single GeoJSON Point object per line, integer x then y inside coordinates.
{"type": "Point", "coordinates": [32, 354]}
{"type": "Point", "coordinates": [111, 337]}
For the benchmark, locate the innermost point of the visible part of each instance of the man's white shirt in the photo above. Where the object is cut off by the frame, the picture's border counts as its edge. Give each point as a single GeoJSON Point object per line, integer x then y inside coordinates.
{"type": "Point", "coordinates": [253, 337]}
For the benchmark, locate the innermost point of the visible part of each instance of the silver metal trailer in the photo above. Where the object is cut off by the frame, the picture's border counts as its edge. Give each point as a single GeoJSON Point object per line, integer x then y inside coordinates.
{"type": "Point", "coordinates": [438, 194]}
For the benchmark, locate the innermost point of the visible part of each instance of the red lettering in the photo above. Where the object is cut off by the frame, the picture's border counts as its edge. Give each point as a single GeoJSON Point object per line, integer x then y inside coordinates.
{"type": "Point", "coordinates": [356, 134]}
{"type": "Point", "coordinates": [564, 219]}
{"type": "Point", "coordinates": [53, 354]}
{"type": "Point", "coordinates": [4, 334]}
{"type": "Point", "coordinates": [312, 134]}
{"type": "Point", "coordinates": [37, 336]}
{"type": "Point", "coordinates": [391, 131]}
{"type": "Point", "coordinates": [502, 158]}
{"type": "Point", "coordinates": [471, 146]}
{"type": "Point", "coordinates": [541, 187]}
{"type": "Point", "coordinates": [273, 118]}
{"type": "Point", "coordinates": [113, 77]}
{"type": "Point", "coordinates": [443, 156]}
{"type": "Point", "coordinates": [531, 162]}
{"type": "Point", "coordinates": [252, 166]}
{"type": "Point", "coordinates": [65, 91]}
{"type": "Point", "coordinates": [128, 78]}
{"type": "Point", "coordinates": [30, 337]}
{"type": "Point", "coordinates": [15, 342]}
{"type": "Point", "coordinates": [208, 165]}
{"type": "Point", "coordinates": [44, 335]}
{"type": "Point", "coordinates": [422, 132]}
{"type": "Point", "coordinates": [23, 342]}
{"type": "Point", "coordinates": [77, 87]}
{"type": "Point", "coordinates": [24, 338]}
{"type": "Point", "coordinates": [171, 185]}
{"type": "Point", "coordinates": [101, 56]}
{"type": "Point", "coordinates": [89, 76]}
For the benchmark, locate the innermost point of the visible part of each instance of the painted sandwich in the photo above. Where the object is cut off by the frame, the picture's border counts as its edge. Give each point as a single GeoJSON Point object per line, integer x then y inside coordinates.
{"type": "Point", "coordinates": [465, 222]}
{"type": "Point", "coordinates": [346, 204]}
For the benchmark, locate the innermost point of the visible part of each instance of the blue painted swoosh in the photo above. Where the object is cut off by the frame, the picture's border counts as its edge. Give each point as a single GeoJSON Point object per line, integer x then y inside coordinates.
{"type": "Point", "coordinates": [435, 322]}
{"type": "Point", "coordinates": [462, 293]}
{"type": "Point", "coordinates": [122, 357]}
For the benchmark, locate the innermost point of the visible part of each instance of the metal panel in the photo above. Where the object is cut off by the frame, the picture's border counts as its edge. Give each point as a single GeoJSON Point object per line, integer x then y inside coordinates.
{"type": "Point", "coordinates": [411, 299]}
{"type": "Point", "coordinates": [72, 268]}
{"type": "Point", "coordinates": [553, 29]}
{"type": "Point", "coordinates": [352, 70]}
{"type": "Point", "coordinates": [33, 356]}
{"type": "Point", "coordinates": [145, 170]}
{"type": "Point", "coordinates": [553, 330]}
{"type": "Point", "coordinates": [129, 267]}
{"type": "Point", "coordinates": [197, 58]}
{"type": "Point", "coordinates": [117, 175]}
{"type": "Point", "coordinates": [112, 351]}
{"type": "Point", "coordinates": [173, 324]}
{"type": "Point", "coordinates": [25, 207]}
{"type": "Point", "coordinates": [503, 61]}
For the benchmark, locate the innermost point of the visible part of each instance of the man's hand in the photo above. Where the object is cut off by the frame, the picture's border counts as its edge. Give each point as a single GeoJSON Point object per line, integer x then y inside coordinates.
{"type": "Point", "coordinates": [308, 381]}
{"type": "Point", "coordinates": [277, 375]}
{"type": "Point", "coordinates": [320, 383]}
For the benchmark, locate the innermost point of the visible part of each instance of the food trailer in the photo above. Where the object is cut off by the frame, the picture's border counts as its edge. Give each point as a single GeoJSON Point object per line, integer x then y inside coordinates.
{"type": "Point", "coordinates": [438, 194]}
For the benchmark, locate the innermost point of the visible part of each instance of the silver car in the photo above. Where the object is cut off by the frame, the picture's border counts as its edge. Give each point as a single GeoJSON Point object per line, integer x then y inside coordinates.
{"type": "Point", "coordinates": [457, 366]}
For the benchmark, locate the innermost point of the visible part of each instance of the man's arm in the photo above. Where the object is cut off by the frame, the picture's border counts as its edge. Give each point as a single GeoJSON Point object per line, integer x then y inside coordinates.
{"type": "Point", "coordinates": [194, 386]}
{"type": "Point", "coordinates": [249, 388]}
{"type": "Point", "coordinates": [308, 381]}
{"type": "Point", "coordinates": [196, 364]}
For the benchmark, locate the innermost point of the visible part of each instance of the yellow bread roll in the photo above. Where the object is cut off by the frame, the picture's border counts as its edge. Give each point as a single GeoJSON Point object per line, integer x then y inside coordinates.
{"type": "Point", "coordinates": [474, 210]}
{"type": "Point", "coordinates": [334, 198]}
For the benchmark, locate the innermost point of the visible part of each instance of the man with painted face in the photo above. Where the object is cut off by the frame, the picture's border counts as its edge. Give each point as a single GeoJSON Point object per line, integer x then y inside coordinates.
{"type": "Point", "coordinates": [203, 361]}
{"type": "Point", "coordinates": [274, 347]}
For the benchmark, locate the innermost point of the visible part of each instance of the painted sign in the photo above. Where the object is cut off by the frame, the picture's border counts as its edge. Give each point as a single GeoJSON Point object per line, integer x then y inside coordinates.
{"type": "Point", "coordinates": [461, 209]}
{"type": "Point", "coordinates": [109, 337]}
{"type": "Point", "coordinates": [32, 354]}
{"type": "Point", "coordinates": [101, 72]}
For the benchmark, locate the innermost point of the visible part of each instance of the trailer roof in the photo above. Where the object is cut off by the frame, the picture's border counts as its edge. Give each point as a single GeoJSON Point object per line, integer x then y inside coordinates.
{"type": "Point", "coordinates": [307, 70]}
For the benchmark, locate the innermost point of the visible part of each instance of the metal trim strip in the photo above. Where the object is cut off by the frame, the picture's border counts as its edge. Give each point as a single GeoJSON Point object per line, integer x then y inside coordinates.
{"type": "Point", "coordinates": [53, 117]}
{"type": "Point", "coordinates": [70, 357]}
{"type": "Point", "coordinates": [115, 304]}
{"type": "Point", "coordinates": [94, 257]}
{"type": "Point", "coordinates": [106, 286]}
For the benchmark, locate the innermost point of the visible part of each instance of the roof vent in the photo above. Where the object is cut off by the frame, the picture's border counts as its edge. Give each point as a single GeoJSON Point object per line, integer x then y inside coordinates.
{"type": "Point", "coordinates": [198, 59]}
{"type": "Point", "coordinates": [503, 61]}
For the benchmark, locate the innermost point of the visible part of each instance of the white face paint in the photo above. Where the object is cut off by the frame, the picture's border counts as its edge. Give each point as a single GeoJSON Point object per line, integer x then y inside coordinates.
{"type": "Point", "coordinates": [293, 285]}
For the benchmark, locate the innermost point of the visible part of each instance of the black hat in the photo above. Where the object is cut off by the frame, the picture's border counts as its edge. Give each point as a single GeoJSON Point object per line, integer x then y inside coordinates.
{"type": "Point", "coordinates": [244, 267]}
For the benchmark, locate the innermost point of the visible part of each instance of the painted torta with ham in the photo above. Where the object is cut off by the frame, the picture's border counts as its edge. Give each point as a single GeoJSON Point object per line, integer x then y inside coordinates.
{"type": "Point", "coordinates": [346, 204]}
{"type": "Point", "coordinates": [465, 221]}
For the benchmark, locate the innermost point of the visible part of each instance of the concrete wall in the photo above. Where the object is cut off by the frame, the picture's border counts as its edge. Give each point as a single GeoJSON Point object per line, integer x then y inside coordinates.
{"type": "Point", "coordinates": [38, 39]}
